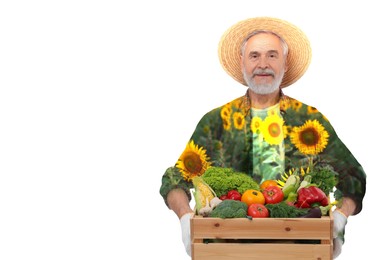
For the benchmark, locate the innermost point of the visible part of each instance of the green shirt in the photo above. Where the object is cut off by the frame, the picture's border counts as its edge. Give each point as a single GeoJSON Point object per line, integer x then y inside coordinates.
{"type": "Point", "coordinates": [225, 137]}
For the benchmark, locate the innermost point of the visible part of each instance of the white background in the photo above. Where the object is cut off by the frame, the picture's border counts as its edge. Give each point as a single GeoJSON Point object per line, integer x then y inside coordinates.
{"type": "Point", "coordinates": [98, 98]}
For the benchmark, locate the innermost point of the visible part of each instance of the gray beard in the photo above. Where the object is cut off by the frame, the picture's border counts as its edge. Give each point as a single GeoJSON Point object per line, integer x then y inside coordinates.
{"type": "Point", "coordinates": [263, 89]}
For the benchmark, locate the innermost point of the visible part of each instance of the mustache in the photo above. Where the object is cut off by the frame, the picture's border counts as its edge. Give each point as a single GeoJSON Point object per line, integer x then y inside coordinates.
{"type": "Point", "coordinates": [257, 72]}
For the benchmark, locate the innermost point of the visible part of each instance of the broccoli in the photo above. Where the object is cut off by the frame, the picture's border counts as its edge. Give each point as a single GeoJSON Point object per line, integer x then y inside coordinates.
{"type": "Point", "coordinates": [284, 210]}
{"type": "Point", "coordinates": [222, 180]}
{"type": "Point", "coordinates": [230, 209]}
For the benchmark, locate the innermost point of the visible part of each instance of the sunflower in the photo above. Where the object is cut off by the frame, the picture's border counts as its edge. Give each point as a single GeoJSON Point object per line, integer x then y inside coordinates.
{"type": "Point", "coordinates": [287, 129]}
{"type": "Point", "coordinates": [238, 120]}
{"type": "Point", "coordinates": [272, 112]}
{"type": "Point", "coordinates": [285, 103]}
{"type": "Point", "coordinates": [226, 111]}
{"type": "Point", "coordinates": [256, 124]}
{"type": "Point", "coordinates": [310, 138]}
{"type": "Point", "coordinates": [285, 176]}
{"type": "Point", "coordinates": [291, 171]}
{"type": "Point", "coordinates": [297, 105]}
{"type": "Point", "coordinates": [193, 161]}
{"type": "Point", "coordinates": [272, 129]}
{"type": "Point", "coordinates": [226, 123]}
{"type": "Point", "coordinates": [237, 103]}
{"type": "Point", "coordinates": [312, 110]}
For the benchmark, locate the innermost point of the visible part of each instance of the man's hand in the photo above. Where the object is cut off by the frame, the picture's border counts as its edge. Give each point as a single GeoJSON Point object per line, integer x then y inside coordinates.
{"type": "Point", "coordinates": [339, 222]}
{"type": "Point", "coordinates": [178, 201]}
{"type": "Point", "coordinates": [185, 222]}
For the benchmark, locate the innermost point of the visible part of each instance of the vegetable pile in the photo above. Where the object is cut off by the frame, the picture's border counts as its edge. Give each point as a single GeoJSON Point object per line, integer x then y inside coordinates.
{"type": "Point", "coordinates": [225, 193]}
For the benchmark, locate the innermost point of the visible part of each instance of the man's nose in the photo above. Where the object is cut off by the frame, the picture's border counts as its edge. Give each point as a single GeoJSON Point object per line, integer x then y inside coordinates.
{"type": "Point", "coordinates": [263, 63]}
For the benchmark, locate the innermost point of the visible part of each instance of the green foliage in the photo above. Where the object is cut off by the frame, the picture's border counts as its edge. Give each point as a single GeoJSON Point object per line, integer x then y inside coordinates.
{"type": "Point", "coordinates": [325, 177]}
{"type": "Point", "coordinates": [222, 180]}
{"type": "Point", "coordinates": [267, 160]}
{"type": "Point", "coordinates": [230, 209]}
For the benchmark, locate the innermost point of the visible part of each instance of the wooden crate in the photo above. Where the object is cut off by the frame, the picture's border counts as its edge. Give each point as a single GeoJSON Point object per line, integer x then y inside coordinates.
{"type": "Point", "coordinates": [271, 238]}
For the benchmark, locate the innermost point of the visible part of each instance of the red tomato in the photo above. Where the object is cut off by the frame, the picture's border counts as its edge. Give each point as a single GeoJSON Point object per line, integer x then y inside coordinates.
{"type": "Point", "coordinates": [223, 197]}
{"type": "Point", "coordinates": [233, 195]}
{"type": "Point", "coordinates": [257, 210]}
{"type": "Point", "coordinates": [273, 194]}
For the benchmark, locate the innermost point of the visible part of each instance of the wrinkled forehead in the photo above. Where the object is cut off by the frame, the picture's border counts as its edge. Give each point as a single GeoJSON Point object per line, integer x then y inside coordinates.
{"type": "Point", "coordinates": [267, 40]}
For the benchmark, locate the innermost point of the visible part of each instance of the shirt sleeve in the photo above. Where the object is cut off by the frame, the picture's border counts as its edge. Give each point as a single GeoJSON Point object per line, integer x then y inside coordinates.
{"type": "Point", "coordinates": [173, 178]}
{"type": "Point", "coordinates": [352, 177]}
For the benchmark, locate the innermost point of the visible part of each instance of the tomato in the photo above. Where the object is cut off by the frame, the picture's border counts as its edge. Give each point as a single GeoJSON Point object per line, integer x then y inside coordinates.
{"type": "Point", "coordinates": [252, 196]}
{"type": "Point", "coordinates": [273, 194]}
{"type": "Point", "coordinates": [233, 195]}
{"type": "Point", "coordinates": [223, 197]}
{"type": "Point", "coordinates": [257, 210]}
{"type": "Point", "coordinates": [268, 183]}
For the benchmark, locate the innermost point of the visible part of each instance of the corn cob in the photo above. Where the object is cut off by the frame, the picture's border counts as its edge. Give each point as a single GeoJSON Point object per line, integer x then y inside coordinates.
{"type": "Point", "coordinates": [203, 193]}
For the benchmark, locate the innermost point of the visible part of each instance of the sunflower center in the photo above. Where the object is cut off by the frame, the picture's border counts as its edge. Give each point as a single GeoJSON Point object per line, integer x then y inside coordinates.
{"type": "Point", "coordinates": [192, 163]}
{"type": "Point", "coordinates": [309, 137]}
{"type": "Point", "coordinates": [274, 129]}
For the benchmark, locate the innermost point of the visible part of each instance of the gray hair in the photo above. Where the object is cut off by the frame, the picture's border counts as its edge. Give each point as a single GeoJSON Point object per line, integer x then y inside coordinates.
{"type": "Point", "coordinates": [282, 41]}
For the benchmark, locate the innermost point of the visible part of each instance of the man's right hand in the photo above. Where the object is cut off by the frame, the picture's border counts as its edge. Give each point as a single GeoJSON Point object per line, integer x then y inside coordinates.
{"type": "Point", "coordinates": [185, 222]}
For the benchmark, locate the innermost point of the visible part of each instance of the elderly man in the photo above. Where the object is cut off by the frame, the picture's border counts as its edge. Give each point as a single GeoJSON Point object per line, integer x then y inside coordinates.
{"type": "Point", "coordinates": [264, 133]}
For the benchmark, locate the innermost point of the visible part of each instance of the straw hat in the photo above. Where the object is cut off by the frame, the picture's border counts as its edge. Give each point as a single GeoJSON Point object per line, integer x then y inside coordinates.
{"type": "Point", "coordinates": [299, 49]}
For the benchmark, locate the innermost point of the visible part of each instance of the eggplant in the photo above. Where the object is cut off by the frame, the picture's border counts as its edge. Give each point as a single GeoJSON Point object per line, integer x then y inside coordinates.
{"type": "Point", "coordinates": [313, 213]}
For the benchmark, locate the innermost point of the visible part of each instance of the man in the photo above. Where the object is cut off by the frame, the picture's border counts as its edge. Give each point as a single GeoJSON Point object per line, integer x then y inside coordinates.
{"type": "Point", "coordinates": [264, 133]}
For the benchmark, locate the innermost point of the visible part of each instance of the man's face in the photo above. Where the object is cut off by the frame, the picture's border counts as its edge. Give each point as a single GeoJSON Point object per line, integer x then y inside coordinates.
{"type": "Point", "coordinates": [263, 63]}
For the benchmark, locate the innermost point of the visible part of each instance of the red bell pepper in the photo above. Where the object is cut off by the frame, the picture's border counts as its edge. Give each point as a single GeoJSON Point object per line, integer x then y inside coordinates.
{"type": "Point", "coordinates": [312, 196]}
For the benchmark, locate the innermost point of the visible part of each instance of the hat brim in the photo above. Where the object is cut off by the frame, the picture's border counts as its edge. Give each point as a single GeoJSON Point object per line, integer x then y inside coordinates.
{"type": "Point", "coordinates": [299, 49]}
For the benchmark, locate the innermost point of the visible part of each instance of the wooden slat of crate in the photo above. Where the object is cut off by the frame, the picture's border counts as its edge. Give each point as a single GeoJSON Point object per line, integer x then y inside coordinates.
{"type": "Point", "coordinates": [263, 228]}
{"type": "Point", "coordinates": [273, 251]}
{"type": "Point", "coordinates": [280, 233]}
